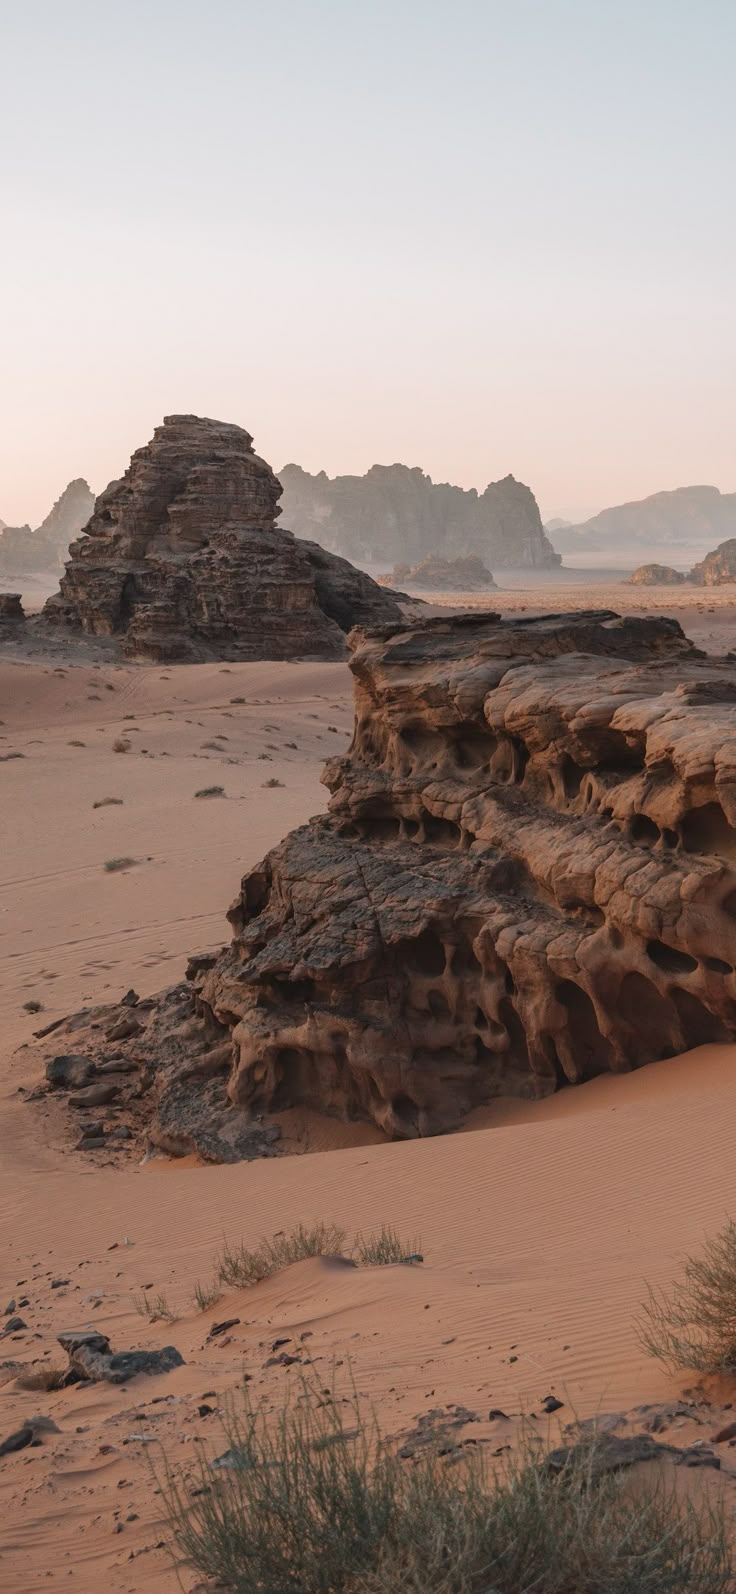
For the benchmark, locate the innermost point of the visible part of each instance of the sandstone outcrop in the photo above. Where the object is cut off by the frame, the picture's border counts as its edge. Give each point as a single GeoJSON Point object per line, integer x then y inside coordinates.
{"type": "Point", "coordinates": [527, 877]}
{"type": "Point", "coordinates": [718, 568]}
{"type": "Point", "coordinates": [656, 576]}
{"type": "Point", "coordinates": [396, 513]}
{"type": "Point", "coordinates": [182, 559]}
{"type": "Point", "coordinates": [46, 548]}
{"type": "Point", "coordinates": [443, 575]}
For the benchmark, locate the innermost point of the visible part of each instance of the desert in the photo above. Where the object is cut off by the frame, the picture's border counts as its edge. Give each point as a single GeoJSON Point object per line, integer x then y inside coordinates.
{"type": "Point", "coordinates": [367, 799]}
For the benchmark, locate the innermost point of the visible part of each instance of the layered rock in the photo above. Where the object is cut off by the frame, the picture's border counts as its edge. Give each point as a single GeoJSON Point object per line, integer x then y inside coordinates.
{"type": "Point", "coordinates": [443, 575]}
{"type": "Point", "coordinates": [46, 548]}
{"type": "Point", "coordinates": [11, 609]}
{"type": "Point", "coordinates": [527, 877]}
{"type": "Point", "coordinates": [718, 568]}
{"type": "Point", "coordinates": [657, 576]}
{"type": "Point", "coordinates": [182, 559]}
{"type": "Point", "coordinates": [395, 513]}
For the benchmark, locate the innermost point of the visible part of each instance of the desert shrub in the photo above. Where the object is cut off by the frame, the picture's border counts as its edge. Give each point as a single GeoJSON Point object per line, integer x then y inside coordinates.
{"type": "Point", "coordinates": [44, 1378]}
{"type": "Point", "coordinates": [211, 791]}
{"type": "Point", "coordinates": [108, 802]}
{"type": "Point", "coordinates": [384, 1247]}
{"type": "Point", "coordinates": [33, 1007]}
{"type": "Point", "coordinates": [315, 1501]}
{"type": "Point", "coordinates": [272, 782]}
{"type": "Point", "coordinates": [114, 865]}
{"type": "Point", "coordinates": [155, 1307]}
{"type": "Point", "coordinates": [206, 1295]}
{"type": "Point", "coordinates": [120, 745]}
{"type": "Point", "coordinates": [694, 1325]}
{"type": "Point", "coordinates": [236, 1265]}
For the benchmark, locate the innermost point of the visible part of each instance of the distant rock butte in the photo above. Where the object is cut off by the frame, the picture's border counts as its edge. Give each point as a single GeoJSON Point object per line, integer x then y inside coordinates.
{"type": "Point", "coordinates": [23, 551]}
{"type": "Point", "coordinates": [527, 877]}
{"type": "Point", "coordinates": [443, 575]}
{"type": "Point", "coordinates": [657, 576]}
{"type": "Point", "coordinates": [397, 514]}
{"type": "Point", "coordinates": [182, 559]}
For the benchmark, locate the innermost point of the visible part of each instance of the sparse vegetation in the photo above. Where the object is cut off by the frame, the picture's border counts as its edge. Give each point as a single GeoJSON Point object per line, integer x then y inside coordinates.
{"type": "Point", "coordinates": [211, 791]}
{"type": "Point", "coordinates": [316, 1501]}
{"type": "Point", "coordinates": [156, 1308]}
{"type": "Point", "coordinates": [213, 747]}
{"type": "Point", "coordinates": [384, 1248]}
{"type": "Point", "coordinates": [76, 743]}
{"type": "Point", "coordinates": [272, 782]}
{"type": "Point", "coordinates": [694, 1326]}
{"type": "Point", "coordinates": [206, 1295]}
{"type": "Point", "coordinates": [33, 1007]}
{"type": "Point", "coordinates": [45, 1378]}
{"type": "Point", "coordinates": [6, 757]}
{"type": "Point", "coordinates": [121, 745]}
{"type": "Point", "coordinates": [240, 1266]}
{"type": "Point", "coordinates": [115, 865]}
{"type": "Point", "coordinates": [108, 802]}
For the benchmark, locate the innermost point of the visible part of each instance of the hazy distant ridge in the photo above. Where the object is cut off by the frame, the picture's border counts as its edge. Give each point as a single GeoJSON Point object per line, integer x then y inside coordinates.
{"type": "Point", "coordinates": [685, 515]}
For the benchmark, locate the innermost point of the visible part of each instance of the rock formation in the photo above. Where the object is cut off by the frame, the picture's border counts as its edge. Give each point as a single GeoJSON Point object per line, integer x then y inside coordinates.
{"type": "Point", "coordinates": [527, 877]}
{"type": "Point", "coordinates": [657, 576]}
{"type": "Point", "coordinates": [718, 568]}
{"type": "Point", "coordinates": [443, 575]}
{"type": "Point", "coordinates": [182, 559]}
{"type": "Point", "coordinates": [46, 548]}
{"type": "Point", "coordinates": [688, 516]}
{"type": "Point", "coordinates": [395, 513]}
{"type": "Point", "coordinates": [11, 609]}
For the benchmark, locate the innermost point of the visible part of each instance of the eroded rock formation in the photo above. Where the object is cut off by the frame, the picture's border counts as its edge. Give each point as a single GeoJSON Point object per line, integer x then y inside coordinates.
{"type": "Point", "coordinates": [443, 575]}
{"type": "Point", "coordinates": [182, 559]}
{"type": "Point", "coordinates": [46, 548]}
{"type": "Point", "coordinates": [527, 877]}
{"type": "Point", "coordinates": [657, 576]}
{"type": "Point", "coordinates": [718, 568]}
{"type": "Point", "coordinates": [396, 513]}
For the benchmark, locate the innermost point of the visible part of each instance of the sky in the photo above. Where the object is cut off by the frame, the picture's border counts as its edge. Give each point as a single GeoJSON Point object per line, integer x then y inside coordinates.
{"type": "Point", "coordinates": [480, 236]}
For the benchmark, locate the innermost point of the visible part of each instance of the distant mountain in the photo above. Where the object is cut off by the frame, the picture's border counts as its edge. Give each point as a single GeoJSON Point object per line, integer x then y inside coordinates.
{"type": "Point", "coordinates": [23, 551]}
{"type": "Point", "coordinates": [397, 515]}
{"type": "Point", "coordinates": [687, 516]}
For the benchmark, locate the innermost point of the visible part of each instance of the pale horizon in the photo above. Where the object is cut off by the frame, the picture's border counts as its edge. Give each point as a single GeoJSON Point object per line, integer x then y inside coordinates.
{"type": "Point", "coordinates": [481, 238]}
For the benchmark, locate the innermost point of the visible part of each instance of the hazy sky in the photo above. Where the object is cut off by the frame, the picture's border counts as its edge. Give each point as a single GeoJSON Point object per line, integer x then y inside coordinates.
{"type": "Point", "coordinates": [480, 236]}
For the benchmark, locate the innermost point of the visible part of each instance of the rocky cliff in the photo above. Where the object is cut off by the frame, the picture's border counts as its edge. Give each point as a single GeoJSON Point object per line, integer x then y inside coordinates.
{"type": "Point", "coordinates": [718, 568]}
{"type": "Point", "coordinates": [395, 514]}
{"type": "Point", "coordinates": [182, 559]}
{"type": "Point", "coordinates": [657, 576]}
{"type": "Point", "coordinates": [46, 548]}
{"type": "Point", "coordinates": [527, 877]}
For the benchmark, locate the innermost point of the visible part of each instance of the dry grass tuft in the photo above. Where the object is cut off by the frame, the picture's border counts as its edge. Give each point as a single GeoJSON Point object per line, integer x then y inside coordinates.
{"type": "Point", "coordinates": [272, 782]}
{"type": "Point", "coordinates": [115, 865]}
{"type": "Point", "coordinates": [33, 1007]}
{"type": "Point", "coordinates": [45, 1378]}
{"type": "Point", "coordinates": [236, 1265]}
{"type": "Point", "coordinates": [108, 802]}
{"type": "Point", "coordinates": [156, 1308]}
{"type": "Point", "coordinates": [206, 1295]}
{"type": "Point", "coordinates": [211, 791]}
{"type": "Point", "coordinates": [121, 745]}
{"type": "Point", "coordinates": [384, 1248]}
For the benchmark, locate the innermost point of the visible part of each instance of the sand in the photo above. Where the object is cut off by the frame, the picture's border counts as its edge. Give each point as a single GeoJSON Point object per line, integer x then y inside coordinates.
{"type": "Point", "coordinates": [540, 1224]}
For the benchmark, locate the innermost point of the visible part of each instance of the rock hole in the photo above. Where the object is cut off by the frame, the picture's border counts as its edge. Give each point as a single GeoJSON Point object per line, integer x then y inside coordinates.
{"type": "Point", "coordinates": [698, 1025]}
{"type": "Point", "coordinates": [649, 1015]}
{"type": "Point", "coordinates": [642, 828]}
{"type": "Point", "coordinates": [590, 1050]}
{"type": "Point", "coordinates": [438, 1004]}
{"type": "Point", "coordinates": [707, 829]}
{"type": "Point", "coordinates": [442, 831]}
{"type": "Point", "coordinates": [670, 837]}
{"type": "Point", "coordinates": [669, 959]}
{"type": "Point", "coordinates": [426, 954]}
{"type": "Point", "coordinates": [464, 960]}
{"type": "Point", "coordinates": [571, 777]}
{"type": "Point", "coordinates": [518, 1048]}
{"type": "Point", "coordinates": [717, 966]}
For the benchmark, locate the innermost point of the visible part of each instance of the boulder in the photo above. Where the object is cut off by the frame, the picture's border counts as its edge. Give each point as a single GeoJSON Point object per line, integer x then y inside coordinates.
{"type": "Point", "coordinates": [656, 576]}
{"type": "Point", "coordinates": [92, 1360]}
{"type": "Point", "coordinates": [445, 575]}
{"type": "Point", "coordinates": [182, 559]}
{"type": "Point", "coordinates": [11, 609]}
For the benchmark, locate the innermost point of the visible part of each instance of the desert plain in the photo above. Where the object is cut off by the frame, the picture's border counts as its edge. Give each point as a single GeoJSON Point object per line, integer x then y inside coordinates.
{"type": "Point", "coordinates": [540, 1224]}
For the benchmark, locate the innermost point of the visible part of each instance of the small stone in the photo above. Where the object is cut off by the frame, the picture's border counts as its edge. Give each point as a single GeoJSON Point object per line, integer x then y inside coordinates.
{"type": "Point", "coordinates": [13, 1326]}
{"type": "Point", "coordinates": [220, 1328]}
{"type": "Point", "coordinates": [551, 1403]}
{"type": "Point", "coordinates": [124, 1028]}
{"type": "Point", "coordinates": [130, 999]}
{"type": "Point", "coordinates": [69, 1071]}
{"type": "Point", "coordinates": [57, 1284]}
{"type": "Point", "coordinates": [204, 1410]}
{"type": "Point", "coordinates": [94, 1096]}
